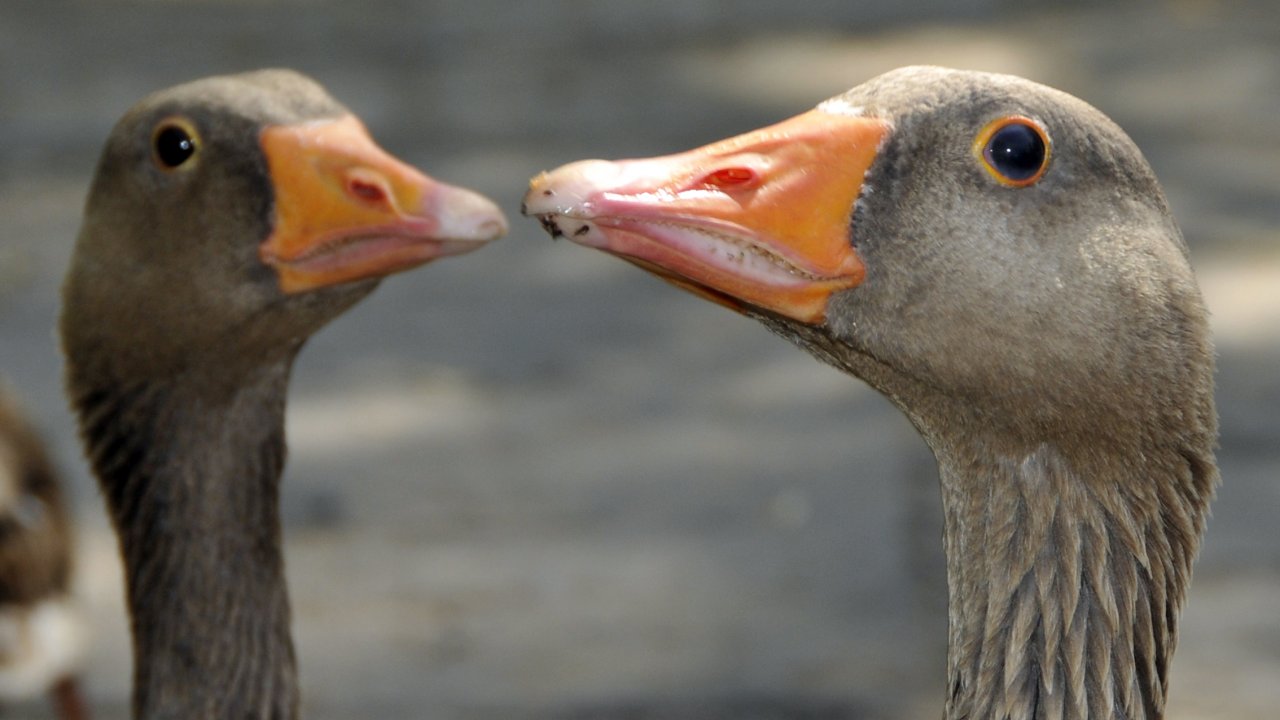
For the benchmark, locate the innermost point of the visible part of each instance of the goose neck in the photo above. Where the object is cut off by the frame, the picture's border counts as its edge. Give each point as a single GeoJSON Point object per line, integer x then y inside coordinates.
{"type": "Point", "coordinates": [1066, 576]}
{"type": "Point", "coordinates": [190, 470]}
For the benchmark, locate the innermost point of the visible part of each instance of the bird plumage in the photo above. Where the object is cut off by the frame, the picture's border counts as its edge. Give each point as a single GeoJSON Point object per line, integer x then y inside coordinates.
{"type": "Point", "coordinates": [229, 219]}
{"type": "Point", "coordinates": [1046, 337]}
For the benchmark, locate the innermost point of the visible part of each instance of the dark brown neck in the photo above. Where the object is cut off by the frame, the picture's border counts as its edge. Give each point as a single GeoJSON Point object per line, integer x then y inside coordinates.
{"type": "Point", "coordinates": [1066, 578]}
{"type": "Point", "coordinates": [191, 474]}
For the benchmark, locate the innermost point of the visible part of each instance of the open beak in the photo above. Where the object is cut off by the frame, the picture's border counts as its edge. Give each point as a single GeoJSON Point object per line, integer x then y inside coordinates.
{"type": "Point", "coordinates": [760, 219]}
{"type": "Point", "coordinates": [345, 210]}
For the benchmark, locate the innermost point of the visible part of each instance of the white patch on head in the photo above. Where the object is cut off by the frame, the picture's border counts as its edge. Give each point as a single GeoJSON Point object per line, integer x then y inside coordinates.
{"type": "Point", "coordinates": [840, 106]}
{"type": "Point", "coordinates": [39, 646]}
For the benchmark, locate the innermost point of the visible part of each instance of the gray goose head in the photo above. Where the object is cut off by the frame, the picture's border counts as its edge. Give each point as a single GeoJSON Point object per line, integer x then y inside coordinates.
{"type": "Point", "coordinates": [998, 259]}
{"type": "Point", "coordinates": [229, 219]}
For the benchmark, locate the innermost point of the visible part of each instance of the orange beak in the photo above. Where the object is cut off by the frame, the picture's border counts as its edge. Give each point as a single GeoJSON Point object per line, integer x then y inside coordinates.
{"type": "Point", "coordinates": [760, 219]}
{"type": "Point", "coordinates": [345, 210]}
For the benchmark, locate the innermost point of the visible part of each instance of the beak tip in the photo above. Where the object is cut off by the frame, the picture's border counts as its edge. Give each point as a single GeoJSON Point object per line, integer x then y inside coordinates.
{"type": "Point", "coordinates": [468, 215]}
{"type": "Point", "coordinates": [535, 200]}
{"type": "Point", "coordinates": [571, 188]}
{"type": "Point", "coordinates": [478, 230]}
{"type": "Point", "coordinates": [493, 228]}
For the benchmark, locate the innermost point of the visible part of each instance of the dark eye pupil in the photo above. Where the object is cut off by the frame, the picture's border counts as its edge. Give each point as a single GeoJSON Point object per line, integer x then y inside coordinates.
{"type": "Point", "coordinates": [174, 146]}
{"type": "Point", "coordinates": [1017, 151]}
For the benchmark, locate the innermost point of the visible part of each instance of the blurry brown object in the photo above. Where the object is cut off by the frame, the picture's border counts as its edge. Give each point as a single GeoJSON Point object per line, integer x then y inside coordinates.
{"type": "Point", "coordinates": [41, 635]}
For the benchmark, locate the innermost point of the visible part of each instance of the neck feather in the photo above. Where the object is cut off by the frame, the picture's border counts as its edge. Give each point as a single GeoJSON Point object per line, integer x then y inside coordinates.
{"type": "Point", "coordinates": [191, 471]}
{"type": "Point", "coordinates": [1067, 560]}
{"type": "Point", "coordinates": [1066, 577]}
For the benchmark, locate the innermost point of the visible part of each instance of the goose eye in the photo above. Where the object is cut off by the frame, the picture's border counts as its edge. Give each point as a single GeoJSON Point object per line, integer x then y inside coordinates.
{"type": "Point", "coordinates": [1015, 150]}
{"type": "Point", "coordinates": [173, 144]}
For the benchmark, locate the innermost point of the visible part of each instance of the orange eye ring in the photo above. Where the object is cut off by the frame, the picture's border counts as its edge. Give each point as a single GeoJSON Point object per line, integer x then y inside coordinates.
{"type": "Point", "coordinates": [175, 144]}
{"type": "Point", "coordinates": [1014, 149]}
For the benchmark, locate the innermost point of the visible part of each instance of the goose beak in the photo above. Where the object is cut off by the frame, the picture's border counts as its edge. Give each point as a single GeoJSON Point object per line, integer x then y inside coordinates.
{"type": "Point", "coordinates": [346, 210]}
{"type": "Point", "coordinates": [761, 219]}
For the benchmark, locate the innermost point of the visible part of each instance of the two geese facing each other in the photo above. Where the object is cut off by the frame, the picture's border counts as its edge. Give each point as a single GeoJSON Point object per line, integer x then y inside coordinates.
{"type": "Point", "coordinates": [995, 257]}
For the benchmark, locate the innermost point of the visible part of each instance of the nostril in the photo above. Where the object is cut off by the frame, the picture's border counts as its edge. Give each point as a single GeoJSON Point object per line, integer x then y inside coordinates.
{"type": "Point", "coordinates": [732, 177]}
{"type": "Point", "coordinates": [366, 190]}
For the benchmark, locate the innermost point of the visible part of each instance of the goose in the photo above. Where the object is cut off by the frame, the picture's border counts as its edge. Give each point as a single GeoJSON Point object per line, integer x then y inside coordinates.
{"type": "Point", "coordinates": [42, 633]}
{"type": "Point", "coordinates": [997, 258]}
{"type": "Point", "coordinates": [229, 219]}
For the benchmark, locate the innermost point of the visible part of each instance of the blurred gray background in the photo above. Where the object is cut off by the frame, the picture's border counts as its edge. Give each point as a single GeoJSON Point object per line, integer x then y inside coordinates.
{"type": "Point", "coordinates": [535, 482]}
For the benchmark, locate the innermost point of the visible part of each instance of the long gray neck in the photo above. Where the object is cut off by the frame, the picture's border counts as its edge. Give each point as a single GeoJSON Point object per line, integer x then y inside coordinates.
{"type": "Point", "coordinates": [191, 474]}
{"type": "Point", "coordinates": [1066, 563]}
{"type": "Point", "coordinates": [1066, 578]}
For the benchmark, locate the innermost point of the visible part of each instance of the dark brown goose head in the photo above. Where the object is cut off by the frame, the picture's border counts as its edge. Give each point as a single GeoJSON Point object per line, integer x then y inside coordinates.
{"type": "Point", "coordinates": [998, 259]}
{"type": "Point", "coordinates": [233, 216]}
{"type": "Point", "coordinates": [230, 218]}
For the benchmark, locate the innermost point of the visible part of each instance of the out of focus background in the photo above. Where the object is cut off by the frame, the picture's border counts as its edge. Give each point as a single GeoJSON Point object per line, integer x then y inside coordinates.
{"type": "Point", "coordinates": [535, 482]}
